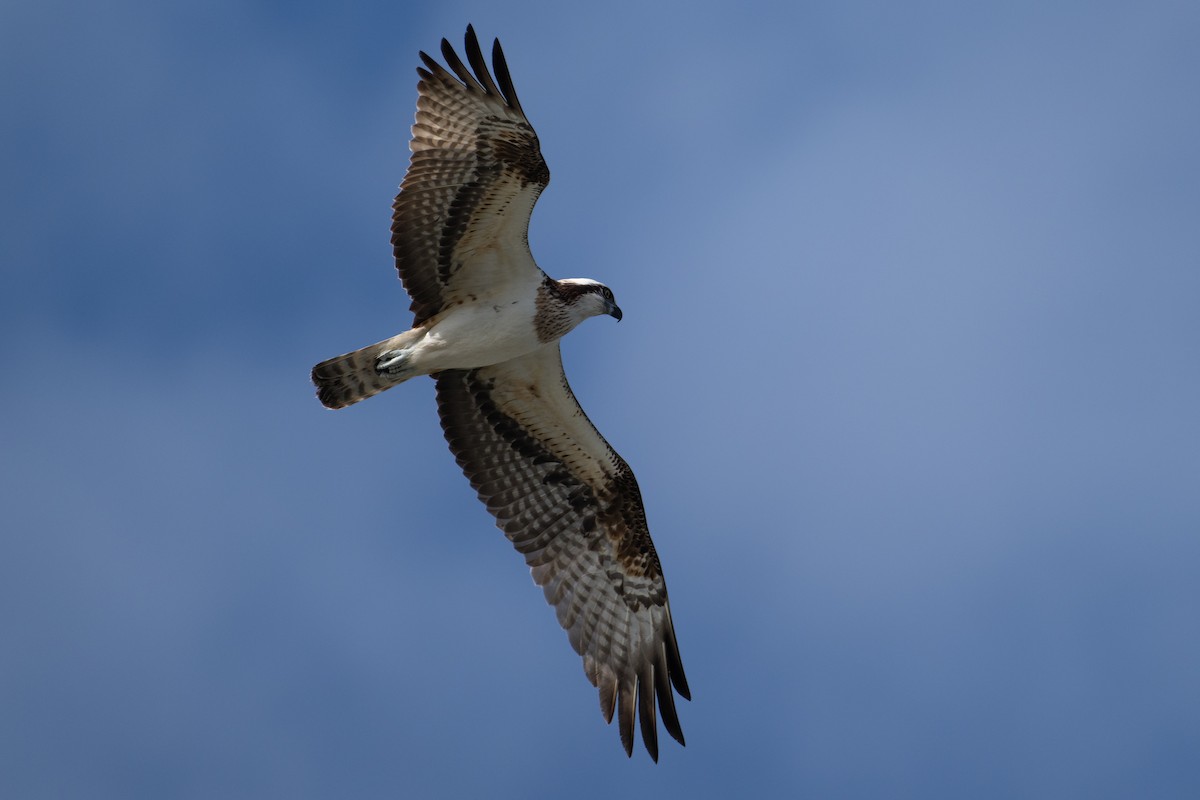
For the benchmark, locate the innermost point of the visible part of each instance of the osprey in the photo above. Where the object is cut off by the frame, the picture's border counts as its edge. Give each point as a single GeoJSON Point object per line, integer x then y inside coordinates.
{"type": "Point", "coordinates": [486, 327]}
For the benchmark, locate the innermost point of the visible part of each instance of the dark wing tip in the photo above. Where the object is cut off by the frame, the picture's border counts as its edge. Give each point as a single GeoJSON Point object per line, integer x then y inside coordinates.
{"type": "Point", "coordinates": [475, 56]}
{"type": "Point", "coordinates": [431, 68]}
{"type": "Point", "coordinates": [666, 701]}
{"type": "Point", "coordinates": [500, 65]}
{"type": "Point", "coordinates": [478, 76]}
{"type": "Point", "coordinates": [647, 716]}
{"type": "Point", "coordinates": [455, 63]}
{"type": "Point", "coordinates": [674, 663]}
{"type": "Point", "coordinates": [471, 41]}
{"type": "Point", "coordinates": [626, 705]}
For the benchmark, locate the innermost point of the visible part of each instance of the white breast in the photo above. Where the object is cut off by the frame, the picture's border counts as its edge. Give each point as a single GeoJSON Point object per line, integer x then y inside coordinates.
{"type": "Point", "coordinates": [478, 333]}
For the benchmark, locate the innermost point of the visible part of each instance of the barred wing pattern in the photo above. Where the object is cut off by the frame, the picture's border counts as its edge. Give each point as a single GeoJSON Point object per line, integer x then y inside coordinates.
{"type": "Point", "coordinates": [461, 219]}
{"type": "Point", "coordinates": [572, 506]}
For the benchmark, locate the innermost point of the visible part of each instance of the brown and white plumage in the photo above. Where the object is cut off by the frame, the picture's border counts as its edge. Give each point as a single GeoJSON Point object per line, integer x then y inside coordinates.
{"type": "Point", "coordinates": [487, 325]}
{"type": "Point", "coordinates": [572, 506]}
{"type": "Point", "coordinates": [475, 174]}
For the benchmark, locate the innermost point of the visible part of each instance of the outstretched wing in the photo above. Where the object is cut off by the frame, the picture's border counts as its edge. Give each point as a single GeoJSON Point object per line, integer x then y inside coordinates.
{"type": "Point", "coordinates": [461, 219]}
{"type": "Point", "coordinates": [571, 505]}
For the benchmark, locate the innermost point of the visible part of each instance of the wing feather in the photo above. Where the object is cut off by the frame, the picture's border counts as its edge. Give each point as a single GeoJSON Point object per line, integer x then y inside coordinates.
{"type": "Point", "coordinates": [460, 222]}
{"type": "Point", "coordinates": [572, 507]}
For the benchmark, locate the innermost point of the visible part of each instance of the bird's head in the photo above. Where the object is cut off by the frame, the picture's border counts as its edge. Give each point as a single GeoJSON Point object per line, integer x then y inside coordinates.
{"type": "Point", "coordinates": [589, 298]}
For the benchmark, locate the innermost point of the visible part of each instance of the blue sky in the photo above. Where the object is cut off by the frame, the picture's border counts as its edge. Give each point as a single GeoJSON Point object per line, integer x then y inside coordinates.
{"type": "Point", "coordinates": [909, 374]}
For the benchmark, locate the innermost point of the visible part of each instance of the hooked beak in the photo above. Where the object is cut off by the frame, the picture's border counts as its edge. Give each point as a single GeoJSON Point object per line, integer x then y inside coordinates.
{"type": "Point", "coordinates": [613, 310]}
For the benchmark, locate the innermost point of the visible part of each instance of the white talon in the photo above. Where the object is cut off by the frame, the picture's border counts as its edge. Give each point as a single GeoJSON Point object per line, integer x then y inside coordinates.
{"type": "Point", "coordinates": [391, 362]}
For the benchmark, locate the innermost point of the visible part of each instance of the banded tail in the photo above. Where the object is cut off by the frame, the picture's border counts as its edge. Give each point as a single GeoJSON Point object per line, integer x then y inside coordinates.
{"type": "Point", "coordinates": [346, 379]}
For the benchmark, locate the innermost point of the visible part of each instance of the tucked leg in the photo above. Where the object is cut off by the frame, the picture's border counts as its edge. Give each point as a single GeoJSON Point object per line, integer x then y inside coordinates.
{"type": "Point", "coordinates": [393, 362]}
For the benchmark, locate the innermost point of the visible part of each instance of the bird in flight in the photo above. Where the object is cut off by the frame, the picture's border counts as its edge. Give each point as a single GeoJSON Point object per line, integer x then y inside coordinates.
{"type": "Point", "coordinates": [487, 323]}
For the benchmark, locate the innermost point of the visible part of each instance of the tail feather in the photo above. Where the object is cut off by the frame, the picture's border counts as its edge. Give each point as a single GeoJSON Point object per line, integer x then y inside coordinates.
{"type": "Point", "coordinates": [349, 378]}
